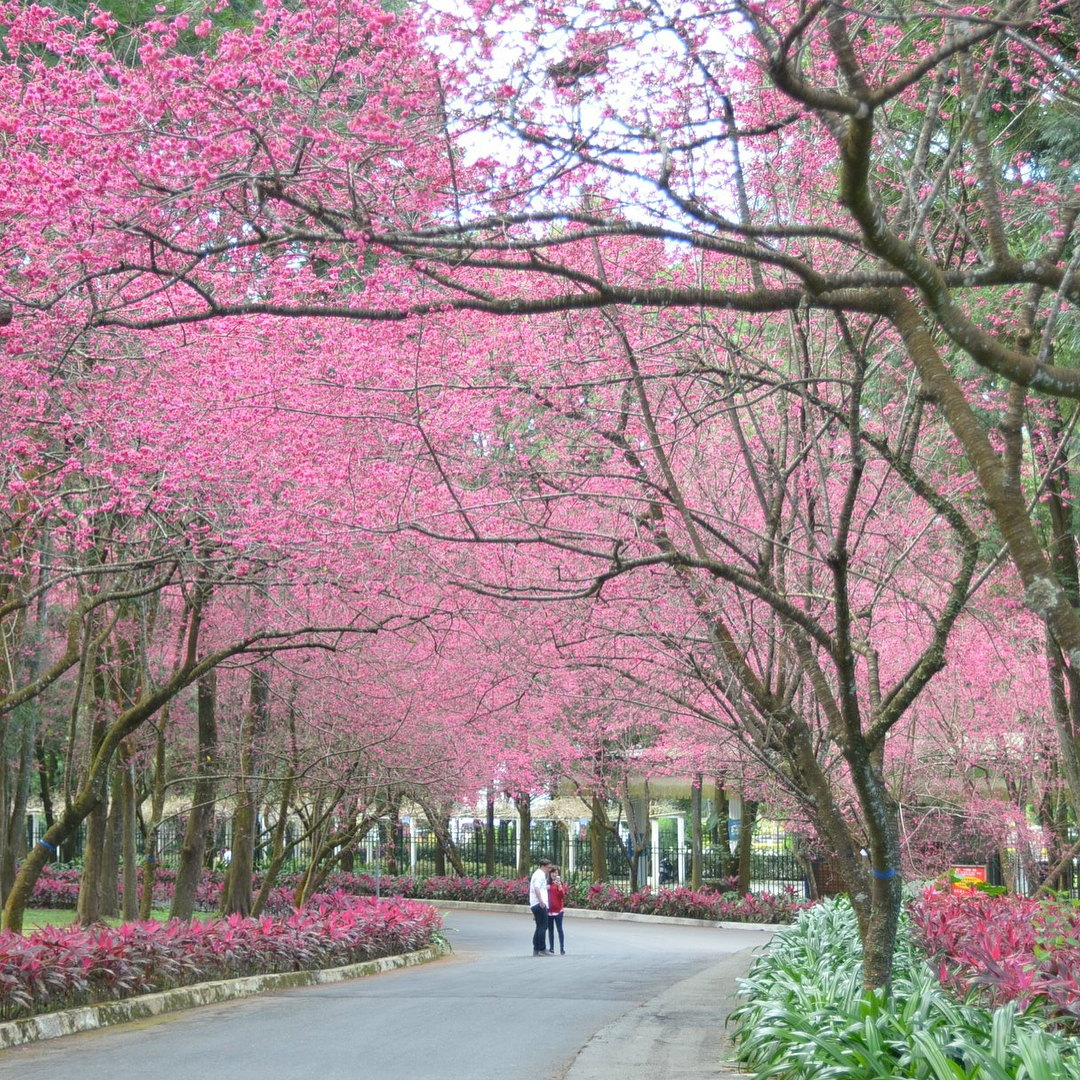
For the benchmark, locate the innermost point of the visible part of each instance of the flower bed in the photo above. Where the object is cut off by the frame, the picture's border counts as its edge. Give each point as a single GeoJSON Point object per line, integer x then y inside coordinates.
{"type": "Point", "coordinates": [681, 902]}
{"type": "Point", "coordinates": [1009, 948]}
{"type": "Point", "coordinates": [59, 888]}
{"type": "Point", "coordinates": [56, 969]}
{"type": "Point", "coordinates": [690, 904]}
{"type": "Point", "coordinates": [807, 1016]}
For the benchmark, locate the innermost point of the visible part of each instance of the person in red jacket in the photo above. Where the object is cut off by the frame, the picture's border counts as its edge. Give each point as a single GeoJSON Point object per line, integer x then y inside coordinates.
{"type": "Point", "coordinates": [556, 896]}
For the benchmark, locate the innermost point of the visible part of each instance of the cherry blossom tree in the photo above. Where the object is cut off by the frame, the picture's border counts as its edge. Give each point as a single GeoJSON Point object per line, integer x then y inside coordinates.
{"type": "Point", "coordinates": [667, 308]}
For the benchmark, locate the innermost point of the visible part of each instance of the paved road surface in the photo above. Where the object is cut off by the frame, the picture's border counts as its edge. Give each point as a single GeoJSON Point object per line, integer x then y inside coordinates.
{"type": "Point", "coordinates": [627, 997]}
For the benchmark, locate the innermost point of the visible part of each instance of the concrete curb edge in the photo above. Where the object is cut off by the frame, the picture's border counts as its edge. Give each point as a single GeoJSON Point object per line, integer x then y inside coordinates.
{"type": "Point", "coordinates": [105, 1014]}
{"type": "Point", "coordinates": [616, 916]}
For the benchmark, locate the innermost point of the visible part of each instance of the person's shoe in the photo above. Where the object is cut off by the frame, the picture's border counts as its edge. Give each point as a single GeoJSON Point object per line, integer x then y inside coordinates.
{"type": "Point", "coordinates": [562, 952]}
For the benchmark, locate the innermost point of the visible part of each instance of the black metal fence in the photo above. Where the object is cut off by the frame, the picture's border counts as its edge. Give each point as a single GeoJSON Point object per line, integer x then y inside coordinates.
{"type": "Point", "coordinates": [412, 850]}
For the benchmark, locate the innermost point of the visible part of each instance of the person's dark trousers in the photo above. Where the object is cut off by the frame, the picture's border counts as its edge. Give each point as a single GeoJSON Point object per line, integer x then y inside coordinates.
{"type": "Point", "coordinates": [555, 923]}
{"type": "Point", "coordinates": [540, 916]}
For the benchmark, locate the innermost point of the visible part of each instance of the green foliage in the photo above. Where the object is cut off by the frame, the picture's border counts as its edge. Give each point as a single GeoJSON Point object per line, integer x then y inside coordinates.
{"type": "Point", "coordinates": [807, 1016]}
{"type": "Point", "coordinates": [133, 14]}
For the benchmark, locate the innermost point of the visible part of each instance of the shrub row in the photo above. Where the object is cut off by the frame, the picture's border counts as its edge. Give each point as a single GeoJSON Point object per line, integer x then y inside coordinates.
{"type": "Point", "coordinates": [1009, 948]}
{"type": "Point", "coordinates": [686, 903]}
{"type": "Point", "coordinates": [807, 1016]}
{"type": "Point", "coordinates": [56, 969]}
{"type": "Point", "coordinates": [681, 902]}
{"type": "Point", "coordinates": [59, 889]}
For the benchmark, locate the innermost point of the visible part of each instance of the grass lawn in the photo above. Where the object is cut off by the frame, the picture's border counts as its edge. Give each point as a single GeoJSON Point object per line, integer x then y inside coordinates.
{"type": "Point", "coordinates": [60, 917]}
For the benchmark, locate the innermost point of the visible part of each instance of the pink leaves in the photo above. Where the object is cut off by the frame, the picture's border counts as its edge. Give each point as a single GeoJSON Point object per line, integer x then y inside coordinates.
{"type": "Point", "coordinates": [55, 969]}
{"type": "Point", "coordinates": [1012, 948]}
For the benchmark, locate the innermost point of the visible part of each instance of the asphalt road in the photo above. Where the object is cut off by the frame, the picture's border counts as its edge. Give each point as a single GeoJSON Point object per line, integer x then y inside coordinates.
{"type": "Point", "coordinates": [628, 996]}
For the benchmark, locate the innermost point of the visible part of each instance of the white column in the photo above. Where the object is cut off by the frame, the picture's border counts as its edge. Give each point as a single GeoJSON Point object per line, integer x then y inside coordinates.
{"type": "Point", "coordinates": [654, 843]}
{"type": "Point", "coordinates": [412, 848]}
{"type": "Point", "coordinates": [680, 839]}
{"type": "Point", "coordinates": [571, 847]}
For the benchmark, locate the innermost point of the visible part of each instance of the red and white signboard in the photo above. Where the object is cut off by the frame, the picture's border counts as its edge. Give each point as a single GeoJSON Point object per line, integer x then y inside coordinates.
{"type": "Point", "coordinates": [969, 876]}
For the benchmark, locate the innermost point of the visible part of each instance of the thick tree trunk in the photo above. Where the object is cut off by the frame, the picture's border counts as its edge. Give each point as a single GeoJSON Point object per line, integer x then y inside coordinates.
{"type": "Point", "coordinates": [807, 865]}
{"type": "Point", "coordinates": [439, 854]}
{"type": "Point", "coordinates": [746, 845]}
{"type": "Point", "coordinates": [46, 763]}
{"type": "Point", "coordinates": [524, 845]}
{"type": "Point", "coordinates": [149, 872]}
{"type": "Point", "coordinates": [127, 844]}
{"type": "Point", "coordinates": [88, 906]}
{"type": "Point", "coordinates": [110, 861]}
{"type": "Point", "coordinates": [489, 835]}
{"type": "Point", "coordinates": [598, 834]}
{"type": "Point", "coordinates": [639, 835]}
{"type": "Point", "coordinates": [237, 896]}
{"type": "Point", "coordinates": [200, 819]}
{"type": "Point", "coordinates": [15, 846]}
{"type": "Point", "coordinates": [153, 826]}
{"type": "Point", "coordinates": [390, 843]}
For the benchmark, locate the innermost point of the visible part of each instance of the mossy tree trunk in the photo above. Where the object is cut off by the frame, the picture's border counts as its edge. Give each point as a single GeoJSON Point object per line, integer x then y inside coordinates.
{"type": "Point", "coordinates": [746, 845]}
{"type": "Point", "coordinates": [201, 816]}
{"type": "Point", "coordinates": [128, 847]}
{"type": "Point", "coordinates": [696, 842]}
{"type": "Point", "coordinates": [523, 803]}
{"type": "Point", "coordinates": [237, 896]}
{"type": "Point", "coordinates": [599, 830]}
{"type": "Point", "coordinates": [152, 852]}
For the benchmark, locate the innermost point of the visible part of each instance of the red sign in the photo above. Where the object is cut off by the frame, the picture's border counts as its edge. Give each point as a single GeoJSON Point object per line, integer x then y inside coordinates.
{"type": "Point", "coordinates": [968, 877]}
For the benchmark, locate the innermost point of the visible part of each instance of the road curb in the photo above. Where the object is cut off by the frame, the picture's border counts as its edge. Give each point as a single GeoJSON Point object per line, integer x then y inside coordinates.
{"type": "Point", "coordinates": [616, 916]}
{"type": "Point", "coordinates": [105, 1014]}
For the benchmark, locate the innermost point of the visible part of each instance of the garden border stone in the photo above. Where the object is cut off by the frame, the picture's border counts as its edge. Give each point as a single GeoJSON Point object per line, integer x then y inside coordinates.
{"type": "Point", "coordinates": [105, 1014]}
